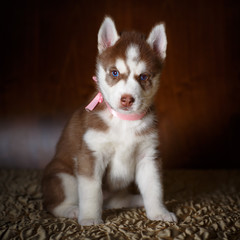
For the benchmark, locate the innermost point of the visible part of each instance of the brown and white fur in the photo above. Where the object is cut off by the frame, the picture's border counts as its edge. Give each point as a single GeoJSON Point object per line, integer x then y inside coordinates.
{"type": "Point", "coordinates": [99, 155]}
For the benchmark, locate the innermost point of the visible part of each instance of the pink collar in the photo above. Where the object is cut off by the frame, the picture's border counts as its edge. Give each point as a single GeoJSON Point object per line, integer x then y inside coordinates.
{"type": "Point", "coordinates": [99, 99]}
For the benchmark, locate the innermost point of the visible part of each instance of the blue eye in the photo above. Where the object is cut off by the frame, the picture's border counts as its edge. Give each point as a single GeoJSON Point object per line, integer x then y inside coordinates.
{"type": "Point", "coordinates": [143, 77]}
{"type": "Point", "coordinates": [115, 73]}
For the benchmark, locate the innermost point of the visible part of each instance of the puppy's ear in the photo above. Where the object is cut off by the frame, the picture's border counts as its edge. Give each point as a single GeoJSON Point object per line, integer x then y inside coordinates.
{"type": "Point", "coordinates": [158, 40]}
{"type": "Point", "coordinates": [107, 35]}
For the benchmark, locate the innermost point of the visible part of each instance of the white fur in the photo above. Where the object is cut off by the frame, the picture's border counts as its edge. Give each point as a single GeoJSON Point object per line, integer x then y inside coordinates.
{"type": "Point", "coordinates": [131, 158]}
{"type": "Point", "coordinates": [151, 189]}
{"type": "Point", "coordinates": [125, 87]}
{"type": "Point", "coordinates": [134, 63]}
{"type": "Point", "coordinates": [69, 207]}
{"type": "Point", "coordinates": [121, 66]}
{"type": "Point", "coordinates": [113, 94]}
{"type": "Point", "coordinates": [107, 35]}
{"type": "Point", "coordinates": [116, 147]}
{"type": "Point", "coordinates": [103, 85]}
{"type": "Point", "coordinates": [158, 41]}
{"type": "Point", "coordinates": [133, 52]}
{"type": "Point", "coordinates": [90, 200]}
{"type": "Point", "coordinates": [119, 146]}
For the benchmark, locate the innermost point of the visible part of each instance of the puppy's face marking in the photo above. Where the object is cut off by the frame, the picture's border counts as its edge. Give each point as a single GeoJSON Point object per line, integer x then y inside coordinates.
{"type": "Point", "coordinates": [129, 68]}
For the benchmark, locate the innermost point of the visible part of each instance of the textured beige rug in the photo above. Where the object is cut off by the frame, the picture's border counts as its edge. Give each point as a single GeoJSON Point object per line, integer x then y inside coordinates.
{"type": "Point", "coordinates": [206, 202]}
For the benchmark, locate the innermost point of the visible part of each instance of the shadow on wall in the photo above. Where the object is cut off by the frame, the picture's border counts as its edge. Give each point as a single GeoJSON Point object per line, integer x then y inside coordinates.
{"type": "Point", "coordinates": [48, 57]}
{"type": "Point", "coordinates": [28, 143]}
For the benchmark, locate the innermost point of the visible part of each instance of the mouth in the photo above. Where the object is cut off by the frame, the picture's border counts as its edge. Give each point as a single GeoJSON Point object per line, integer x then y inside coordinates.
{"type": "Point", "coordinates": [133, 109]}
{"type": "Point", "coordinates": [126, 109]}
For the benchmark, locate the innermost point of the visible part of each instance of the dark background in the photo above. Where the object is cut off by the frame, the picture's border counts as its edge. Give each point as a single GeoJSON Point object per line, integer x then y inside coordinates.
{"type": "Point", "coordinates": [48, 51]}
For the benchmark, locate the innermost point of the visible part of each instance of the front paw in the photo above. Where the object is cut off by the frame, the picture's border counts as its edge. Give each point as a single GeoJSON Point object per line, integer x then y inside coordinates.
{"type": "Point", "coordinates": [90, 221]}
{"type": "Point", "coordinates": [165, 216]}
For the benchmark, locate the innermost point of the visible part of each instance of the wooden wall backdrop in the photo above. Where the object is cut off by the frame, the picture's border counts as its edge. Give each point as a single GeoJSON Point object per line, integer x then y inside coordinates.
{"type": "Point", "coordinates": [48, 51]}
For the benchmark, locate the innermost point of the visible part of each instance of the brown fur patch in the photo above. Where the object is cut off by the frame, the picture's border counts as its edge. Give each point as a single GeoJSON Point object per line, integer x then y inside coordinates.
{"type": "Point", "coordinates": [146, 84]}
{"type": "Point", "coordinates": [109, 56]}
{"type": "Point", "coordinates": [111, 80]}
{"type": "Point", "coordinates": [70, 146]}
{"type": "Point", "coordinates": [53, 193]}
{"type": "Point", "coordinates": [86, 162]}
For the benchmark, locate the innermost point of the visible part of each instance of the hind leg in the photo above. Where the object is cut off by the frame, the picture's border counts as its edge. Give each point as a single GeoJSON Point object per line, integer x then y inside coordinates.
{"type": "Point", "coordinates": [62, 198]}
{"type": "Point", "coordinates": [69, 207]}
{"type": "Point", "coordinates": [123, 199]}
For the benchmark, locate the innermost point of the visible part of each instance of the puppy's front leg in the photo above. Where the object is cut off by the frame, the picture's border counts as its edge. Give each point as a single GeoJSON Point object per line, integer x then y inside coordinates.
{"type": "Point", "coordinates": [90, 201]}
{"type": "Point", "coordinates": [148, 181]}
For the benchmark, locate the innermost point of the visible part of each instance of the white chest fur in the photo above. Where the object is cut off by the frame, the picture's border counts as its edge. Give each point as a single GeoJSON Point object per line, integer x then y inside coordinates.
{"type": "Point", "coordinates": [120, 148]}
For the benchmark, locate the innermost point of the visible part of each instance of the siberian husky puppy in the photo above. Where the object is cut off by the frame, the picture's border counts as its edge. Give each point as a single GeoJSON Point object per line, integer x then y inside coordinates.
{"type": "Point", "coordinates": [113, 144]}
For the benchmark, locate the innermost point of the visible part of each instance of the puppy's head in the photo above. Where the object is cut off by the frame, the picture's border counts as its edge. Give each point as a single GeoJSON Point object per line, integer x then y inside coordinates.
{"type": "Point", "coordinates": [129, 66]}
